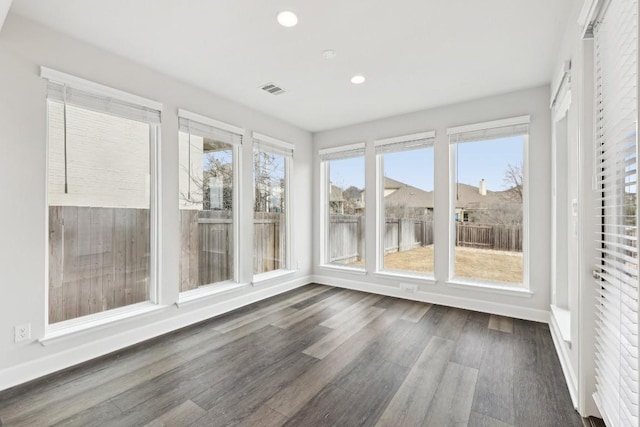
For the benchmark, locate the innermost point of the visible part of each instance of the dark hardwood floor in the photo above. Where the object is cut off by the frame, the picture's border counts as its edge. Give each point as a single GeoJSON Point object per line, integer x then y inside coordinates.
{"type": "Point", "coordinates": [316, 356]}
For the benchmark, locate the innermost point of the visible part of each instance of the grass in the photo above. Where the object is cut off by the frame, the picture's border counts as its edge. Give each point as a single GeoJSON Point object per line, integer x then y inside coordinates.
{"type": "Point", "coordinates": [471, 263]}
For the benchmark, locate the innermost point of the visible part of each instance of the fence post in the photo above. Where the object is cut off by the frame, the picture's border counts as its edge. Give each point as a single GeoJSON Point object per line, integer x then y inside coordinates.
{"type": "Point", "coordinates": [361, 252]}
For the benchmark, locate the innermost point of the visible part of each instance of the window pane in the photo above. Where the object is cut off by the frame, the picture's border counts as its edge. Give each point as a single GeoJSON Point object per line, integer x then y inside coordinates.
{"type": "Point", "coordinates": [488, 210]}
{"type": "Point", "coordinates": [408, 211]}
{"type": "Point", "coordinates": [269, 212]}
{"type": "Point", "coordinates": [206, 211]}
{"type": "Point", "coordinates": [345, 231]}
{"type": "Point", "coordinates": [99, 230]}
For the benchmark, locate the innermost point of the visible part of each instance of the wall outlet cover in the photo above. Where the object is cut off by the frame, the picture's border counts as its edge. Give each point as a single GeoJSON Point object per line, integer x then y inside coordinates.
{"type": "Point", "coordinates": [23, 332]}
{"type": "Point", "coordinates": [409, 287]}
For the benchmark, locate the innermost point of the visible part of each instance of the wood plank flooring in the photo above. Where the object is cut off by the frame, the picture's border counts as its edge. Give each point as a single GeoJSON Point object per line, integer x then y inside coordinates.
{"type": "Point", "coordinates": [315, 356]}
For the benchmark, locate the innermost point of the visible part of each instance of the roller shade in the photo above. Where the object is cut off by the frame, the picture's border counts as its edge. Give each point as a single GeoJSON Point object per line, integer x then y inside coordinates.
{"type": "Point", "coordinates": [343, 152]}
{"type": "Point", "coordinates": [404, 143]}
{"type": "Point", "coordinates": [616, 176]}
{"type": "Point", "coordinates": [272, 145]}
{"type": "Point", "coordinates": [70, 95]}
{"type": "Point", "coordinates": [489, 130]}
{"type": "Point", "coordinates": [198, 128]}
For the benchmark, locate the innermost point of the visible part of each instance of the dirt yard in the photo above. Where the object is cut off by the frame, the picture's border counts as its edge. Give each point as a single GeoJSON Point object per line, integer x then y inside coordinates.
{"type": "Point", "coordinates": [470, 263]}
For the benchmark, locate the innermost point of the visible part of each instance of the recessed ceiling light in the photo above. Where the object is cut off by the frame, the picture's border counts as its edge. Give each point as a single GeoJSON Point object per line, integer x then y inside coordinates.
{"type": "Point", "coordinates": [358, 79]}
{"type": "Point", "coordinates": [329, 54]}
{"type": "Point", "coordinates": [286, 18]}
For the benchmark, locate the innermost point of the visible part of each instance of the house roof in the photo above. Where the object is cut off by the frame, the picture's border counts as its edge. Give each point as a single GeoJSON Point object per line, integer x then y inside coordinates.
{"type": "Point", "coordinates": [390, 184]}
{"type": "Point", "coordinates": [335, 194]}
{"type": "Point", "coordinates": [469, 197]}
{"type": "Point", "coordinates": [410, 196]}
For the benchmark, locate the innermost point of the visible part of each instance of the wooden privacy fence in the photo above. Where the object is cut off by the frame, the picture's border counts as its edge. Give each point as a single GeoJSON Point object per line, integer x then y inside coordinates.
{"type": "Point", "coordinates": [98, 259]}
{"type": "Point", "coordinates": [268, 241]}
{"type": "Point", "coordinates": [490, 236]}
{"type": "Point", "coordinates": [206, 248]}
{"type": "Point", "coordinates": [346, 238]}
{"type": "Point", "coordinates": [404, 234]}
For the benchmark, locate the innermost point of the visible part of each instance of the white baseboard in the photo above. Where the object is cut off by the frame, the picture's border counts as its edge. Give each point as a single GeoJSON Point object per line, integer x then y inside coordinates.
{"type": "Point", "coordinates": [484, 306]}
{"type": "Point", "coordinates": [565, 361]}
{"type": "Point", "coordinates": [22, 373]}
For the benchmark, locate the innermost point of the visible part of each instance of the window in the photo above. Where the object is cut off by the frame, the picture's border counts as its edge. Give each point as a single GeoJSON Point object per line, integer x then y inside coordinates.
{"type": "Point", "coordinates": [405, 176]}
{"type": "Point", "coordinates": [101, 202]}
{"type": "Point", "coordinates": [207, 156]}
{"type": "Point", "coordinates": [344, 205]}
{"type": "Point", "coordinates": [271, 170]}
{"type": "Point", "coordinates": [489, 193]}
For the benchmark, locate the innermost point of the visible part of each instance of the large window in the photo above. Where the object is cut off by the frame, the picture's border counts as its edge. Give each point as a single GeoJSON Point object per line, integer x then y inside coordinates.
{"type": "Point", "coordinates": [207, 151]}
{"type": "Point", "coordinates": [405, 175]}
{"type": "Point", "coordinates": [271, 165]}
{"type": "Point", "coordinates": [101, 164]}
{"type": "Point", "coordinates": [344, 205]}
{"type": "Point", "coordinates": [489, 189]}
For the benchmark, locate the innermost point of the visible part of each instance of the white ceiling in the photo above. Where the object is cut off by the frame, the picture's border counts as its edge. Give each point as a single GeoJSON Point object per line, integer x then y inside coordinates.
{"type": "Point", "coordinates": [415, 54]}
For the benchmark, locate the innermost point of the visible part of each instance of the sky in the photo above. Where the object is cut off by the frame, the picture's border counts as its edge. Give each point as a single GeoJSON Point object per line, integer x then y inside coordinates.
{"type": "Point", "coordinates": [476, 160]}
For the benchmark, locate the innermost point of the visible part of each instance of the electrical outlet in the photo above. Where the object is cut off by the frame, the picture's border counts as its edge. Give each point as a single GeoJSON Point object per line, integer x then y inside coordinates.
{"type": "Point", "coordinates": [409, 287]}
{"type": "Point", "coordinates": [23, 332]}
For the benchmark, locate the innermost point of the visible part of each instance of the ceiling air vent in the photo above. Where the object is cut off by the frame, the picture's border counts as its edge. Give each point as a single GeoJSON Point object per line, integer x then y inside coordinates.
{"type": "Point", "coordinates": [272, 89]}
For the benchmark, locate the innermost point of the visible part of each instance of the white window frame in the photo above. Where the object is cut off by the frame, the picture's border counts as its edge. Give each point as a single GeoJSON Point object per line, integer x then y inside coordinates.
{"type": "Point", "coordinates": [560, 104]}
{"type": "Point", "coordinates": [452, 280]}
{"type": "Point", "coordinates": [324, 202]}
{"type": "Point", "coordinates": [53, 332]}
{"type": "Point", "coordinates": [380, 205]}
{"type": "Point", "coordinates": [286, 150]}
{"type": "Point", "coordinates": [225, 285]}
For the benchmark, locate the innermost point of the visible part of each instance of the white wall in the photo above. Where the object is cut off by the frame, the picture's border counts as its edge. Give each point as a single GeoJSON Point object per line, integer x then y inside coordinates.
{"type": "Point", "coordinates": [577, 357]}
{"type": "Point", "coordinates": [5, 5]}
{"type": "Point", "coordinates": [533, 102]}
{"type": "Point", "coordinates": [24, 46]}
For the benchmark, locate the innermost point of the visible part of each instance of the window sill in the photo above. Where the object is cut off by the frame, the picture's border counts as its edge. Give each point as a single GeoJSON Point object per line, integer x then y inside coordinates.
{"type": "Point", "coordinates": [187, 297]}
{"type": "Point", "coordinates": [345, 269]}
{"type": "Point", "coordinates": [490, 287]}
{"type": "Point", "coordinates": [416, 277]}
{"type": "Point", "coordinates": [275, 274]}
{"type": "Point", "coordinates": [70, 327]}
{"type": "Point", "coordinates": [562, 317]}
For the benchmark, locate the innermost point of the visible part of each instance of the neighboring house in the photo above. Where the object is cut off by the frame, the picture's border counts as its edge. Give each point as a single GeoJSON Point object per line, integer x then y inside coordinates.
{"type": "Point", "coordinates": [410, 200]}
{"type": "Point", "coordinates": [336, 200]}
{"type": "Point", "coordinates": [474, 200]}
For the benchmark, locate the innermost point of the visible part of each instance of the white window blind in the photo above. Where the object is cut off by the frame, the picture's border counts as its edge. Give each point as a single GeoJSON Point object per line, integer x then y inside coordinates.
{"type": "Point", "coordinates": [69, 95]}
{"type": "Point", "coordinates": [616, 159]}
{"type": "Point", "coordinates": [343, 152]}
{"type": "Point", "coordinates": [272, 145]}
{"type": "Point", "coordinates": [404, 143]}
{"type": "Point", "coordinates": [193, 127]}
{"type": "Point", "coordinates": [489, 130]}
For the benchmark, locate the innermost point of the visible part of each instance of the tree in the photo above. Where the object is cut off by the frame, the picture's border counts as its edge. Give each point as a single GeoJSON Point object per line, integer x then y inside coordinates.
{"type": "Point", "coordinates": [215, 166]}
{"type": "Point", "coordinates": [269, 182]}
{"type": "Point", "coordinates": [508, 210]}
{"type": "Point", "coordinates": [513, 181]}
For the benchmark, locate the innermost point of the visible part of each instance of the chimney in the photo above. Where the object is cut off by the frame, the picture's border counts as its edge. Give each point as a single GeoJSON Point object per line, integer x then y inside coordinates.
{"type": "Point", "coordinates": [482, 189]}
